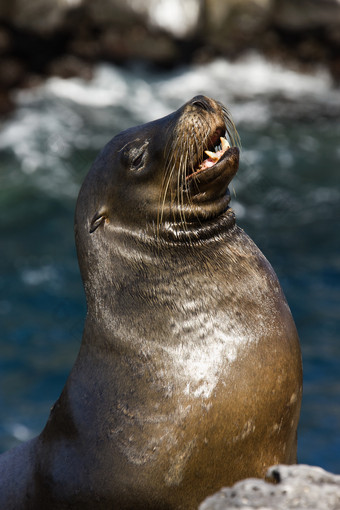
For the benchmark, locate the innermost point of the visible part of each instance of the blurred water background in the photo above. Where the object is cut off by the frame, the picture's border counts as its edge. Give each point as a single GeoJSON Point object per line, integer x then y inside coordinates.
{"type": "Point", "coordinates": [286, 196]}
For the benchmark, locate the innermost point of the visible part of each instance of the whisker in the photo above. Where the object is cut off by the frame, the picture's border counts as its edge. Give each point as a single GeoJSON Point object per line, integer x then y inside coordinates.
{"type": "Point", "coordinates": [169, 154]}
{"type": "Point", "coordinates": [231, 128]}
{"type": "Point", "coordinates": [180, 191]}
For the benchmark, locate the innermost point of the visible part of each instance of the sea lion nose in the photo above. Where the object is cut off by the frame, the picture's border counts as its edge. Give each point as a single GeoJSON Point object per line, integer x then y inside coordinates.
{"type": "Point", "coordinates": [202, 102]}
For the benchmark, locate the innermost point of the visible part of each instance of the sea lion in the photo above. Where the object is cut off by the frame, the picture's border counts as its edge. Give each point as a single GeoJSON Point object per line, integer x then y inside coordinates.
{"type": "Point", "coordinates": [189, 372]}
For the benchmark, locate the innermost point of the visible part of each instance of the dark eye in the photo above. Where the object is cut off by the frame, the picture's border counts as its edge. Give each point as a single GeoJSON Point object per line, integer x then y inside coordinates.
{"type": "Point", "coordinates": [136, 162]}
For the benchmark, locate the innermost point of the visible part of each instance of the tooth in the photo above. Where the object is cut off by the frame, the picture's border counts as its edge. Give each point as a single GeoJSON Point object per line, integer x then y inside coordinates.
{"type": "Point", "coordinates": [225, 144]}
{"type": "Point", "coordinates": [212, 155]}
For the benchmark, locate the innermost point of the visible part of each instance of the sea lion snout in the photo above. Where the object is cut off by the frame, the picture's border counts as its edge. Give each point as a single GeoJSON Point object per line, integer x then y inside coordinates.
{"type": "Point", "coordinates": [207, 132]}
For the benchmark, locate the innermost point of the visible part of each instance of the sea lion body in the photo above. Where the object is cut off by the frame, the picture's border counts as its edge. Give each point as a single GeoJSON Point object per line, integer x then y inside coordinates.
{"type": "Point", "coordinates": [189, 373]}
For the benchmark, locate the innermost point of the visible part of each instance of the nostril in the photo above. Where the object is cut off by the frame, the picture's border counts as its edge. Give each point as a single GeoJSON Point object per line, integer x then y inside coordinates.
{"type": "Point", "coordinates": [202, 102]}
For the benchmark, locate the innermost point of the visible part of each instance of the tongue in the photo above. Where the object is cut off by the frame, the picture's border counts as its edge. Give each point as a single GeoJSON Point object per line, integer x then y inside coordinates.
{"type": "Point", "coordinates": [210, 161]}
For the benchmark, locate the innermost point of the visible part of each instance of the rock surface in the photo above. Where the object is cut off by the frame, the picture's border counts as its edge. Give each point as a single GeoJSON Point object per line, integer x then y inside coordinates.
{"type": "Point", "coordinates": [297, 487]}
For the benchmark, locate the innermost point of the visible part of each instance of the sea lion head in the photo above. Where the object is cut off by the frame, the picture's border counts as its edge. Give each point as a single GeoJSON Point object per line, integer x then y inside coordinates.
{"type": "Point", "coordinates": [156, 180]}
{"type": "Point", "coordinates": [160, 171]}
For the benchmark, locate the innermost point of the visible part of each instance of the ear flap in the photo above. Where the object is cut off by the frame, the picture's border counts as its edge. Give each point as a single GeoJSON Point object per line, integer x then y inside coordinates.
{"type": "Point", "coordinates": [97, 220]}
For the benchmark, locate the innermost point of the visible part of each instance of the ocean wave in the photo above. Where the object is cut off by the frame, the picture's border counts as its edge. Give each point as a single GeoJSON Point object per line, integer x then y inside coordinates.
{"type": "Point", "coordinates": [59, 126]}
{"type": "Point", "coordinates": [148, 95]}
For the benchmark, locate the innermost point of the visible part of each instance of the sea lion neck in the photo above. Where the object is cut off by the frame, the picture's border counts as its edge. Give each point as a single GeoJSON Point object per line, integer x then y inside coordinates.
{"type": "Point", "coordinates": [128, 252]}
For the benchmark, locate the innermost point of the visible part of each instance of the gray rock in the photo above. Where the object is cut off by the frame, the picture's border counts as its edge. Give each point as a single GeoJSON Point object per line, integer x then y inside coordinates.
{"type": "Point", "coordinates": [41, 16]}
{"type": "Point", "coordinates": [175, 17]}
{"type": "Point", "coordinates": [306, 14]}
{"type": "Point", "coordinates": [297, 487]}
{"type": "Point", "coordinates": [232, 20]}
{"type": "Point", "coordinates": [45, 16]}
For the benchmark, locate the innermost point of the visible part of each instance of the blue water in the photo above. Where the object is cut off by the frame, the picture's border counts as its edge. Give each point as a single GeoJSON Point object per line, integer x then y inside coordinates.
{"type": "Point", "coordinates": [286, 195]}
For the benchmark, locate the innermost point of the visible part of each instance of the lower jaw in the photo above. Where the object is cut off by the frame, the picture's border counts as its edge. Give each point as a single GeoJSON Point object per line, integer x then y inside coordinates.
{"type": "Point", "coordinates": [197, 209]}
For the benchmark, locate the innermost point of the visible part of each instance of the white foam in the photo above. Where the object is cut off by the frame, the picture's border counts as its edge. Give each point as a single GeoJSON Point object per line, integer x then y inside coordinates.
{"type": "Point", "coordinates": [21, 432]}
{"type": "Point", "coordinates": [62, 116]}
{"type": "Point", "coordinates": [248, 83]}
{"type": "Point", "coordinates": [40, 275]}
{"type": "Point", "coordinates": [103, 91]}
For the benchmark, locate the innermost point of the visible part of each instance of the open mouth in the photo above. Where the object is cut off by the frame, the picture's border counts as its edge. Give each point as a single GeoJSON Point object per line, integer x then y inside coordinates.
{"type": "Point", "coordinates": [211, 157]}
{"type": "Point", "coordinates": [208, 177]}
